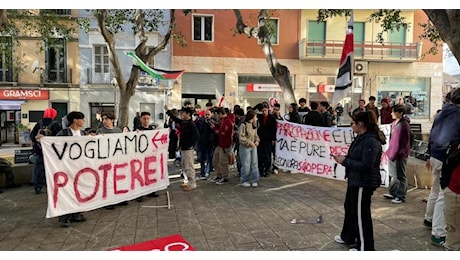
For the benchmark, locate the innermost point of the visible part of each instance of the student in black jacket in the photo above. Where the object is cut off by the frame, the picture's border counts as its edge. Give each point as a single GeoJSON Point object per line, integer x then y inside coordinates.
{"type": "Point", "coordinates": [188, 139]}
{"type": "Point", "coordinates": [362, 171]}
{"type": "Point", "coordinates": [266, 130]}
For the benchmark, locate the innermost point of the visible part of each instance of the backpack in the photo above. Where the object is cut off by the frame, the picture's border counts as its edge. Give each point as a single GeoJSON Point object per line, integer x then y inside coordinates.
{"type": "Point", "coordinates": [48, 129]}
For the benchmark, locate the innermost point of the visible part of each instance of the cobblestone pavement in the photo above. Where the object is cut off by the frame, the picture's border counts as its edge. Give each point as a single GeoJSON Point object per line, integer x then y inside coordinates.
{"type": "Point", "coordinates": [218, 218]}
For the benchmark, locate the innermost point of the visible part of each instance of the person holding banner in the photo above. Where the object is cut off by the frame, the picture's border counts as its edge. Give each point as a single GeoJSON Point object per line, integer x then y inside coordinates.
{"type": "Point", "coordinates": [109, 128]}
{"type": "Point", "coordinates": [277, 115]}
{"type": "Point", "coordinates": [362, 171]}
{"type": "Point", "coordinates": [76, 120]}
{"type": "Point", "coordinates": [145, 125]}
{"type": "Point", "coordinates": [249, 140]}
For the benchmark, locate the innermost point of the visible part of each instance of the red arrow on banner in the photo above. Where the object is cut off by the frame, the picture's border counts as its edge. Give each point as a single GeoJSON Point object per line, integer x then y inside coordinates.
{"type": "Point", "coordinates": [163, 139]}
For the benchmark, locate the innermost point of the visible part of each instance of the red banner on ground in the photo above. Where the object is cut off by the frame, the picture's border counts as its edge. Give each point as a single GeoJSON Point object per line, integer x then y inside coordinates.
{"type": "Point", "coordinates": [170, 243]}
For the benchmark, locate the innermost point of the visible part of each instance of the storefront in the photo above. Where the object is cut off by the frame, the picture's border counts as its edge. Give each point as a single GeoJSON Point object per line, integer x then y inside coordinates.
{"type": "Point", "coordinates": [415, 89]}
{"type": "Point", "coordinates": [201, 88]}
{"type": "Point", "coordinates": [254, 89]}
{"type": "Point", "coordinates": [11, 101]}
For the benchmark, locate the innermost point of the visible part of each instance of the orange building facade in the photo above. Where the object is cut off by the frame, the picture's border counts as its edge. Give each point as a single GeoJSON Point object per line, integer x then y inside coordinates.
{"type": "Point", "coordinates": [218, 61]}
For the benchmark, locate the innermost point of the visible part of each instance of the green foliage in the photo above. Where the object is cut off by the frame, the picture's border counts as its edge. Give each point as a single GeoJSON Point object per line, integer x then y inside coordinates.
{"type": "Point", "coordinates": [324, 14]}
{"type": "Point", "coordinates": [431, 34]}
{"type": "Point", "coordinates": [390, 20]}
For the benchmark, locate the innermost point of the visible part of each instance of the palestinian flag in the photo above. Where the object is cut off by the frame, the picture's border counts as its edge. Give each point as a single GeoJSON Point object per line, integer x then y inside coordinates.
{"type": "Point", "coordinates": [344, 81]}
{"type": "Point", "coordinates": [155, 73]}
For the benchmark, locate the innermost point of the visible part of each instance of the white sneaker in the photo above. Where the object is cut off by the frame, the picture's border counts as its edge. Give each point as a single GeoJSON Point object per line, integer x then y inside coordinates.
{"type": "Point", "coordinates": [339, 240]}
{"type": "Point", "coordinates": [246, 184]}
{"type": "Point", "coordinates": [254, 185]}
{"type": "Point", "coordinates": [275, 171]}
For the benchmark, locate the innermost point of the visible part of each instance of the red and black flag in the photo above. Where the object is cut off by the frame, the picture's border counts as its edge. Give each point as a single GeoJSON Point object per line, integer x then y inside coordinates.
{"type": "Point", "coordinates": [344, 81]}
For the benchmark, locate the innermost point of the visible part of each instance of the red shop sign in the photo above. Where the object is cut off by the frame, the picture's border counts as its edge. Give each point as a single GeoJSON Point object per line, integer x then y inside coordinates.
{"type": "Point", "coordinates": [24, 94]}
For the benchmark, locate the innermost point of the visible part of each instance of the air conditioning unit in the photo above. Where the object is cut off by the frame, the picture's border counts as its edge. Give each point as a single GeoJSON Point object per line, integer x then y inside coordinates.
{"type": "Point", "coordinates": [361, 67]}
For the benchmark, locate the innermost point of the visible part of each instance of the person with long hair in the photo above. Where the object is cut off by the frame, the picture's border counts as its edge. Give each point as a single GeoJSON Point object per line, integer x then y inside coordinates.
{"type": "Point", "coordinates": [249, 140]}
{"type": "Point", "coordinates": [362, 171]}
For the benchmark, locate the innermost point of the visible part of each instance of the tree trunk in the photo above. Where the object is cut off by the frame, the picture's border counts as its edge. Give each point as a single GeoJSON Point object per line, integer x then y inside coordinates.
{"type": "Point", "coordinates": [128, 89]}
{"type": "Point", "coordinates": [279, 72]}
{"type": "Point", "coordinates": [3, 19]}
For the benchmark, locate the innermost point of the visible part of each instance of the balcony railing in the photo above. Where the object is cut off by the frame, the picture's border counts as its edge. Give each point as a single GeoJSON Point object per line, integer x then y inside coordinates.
{"type": "Point", "coordinates": [332, 50]}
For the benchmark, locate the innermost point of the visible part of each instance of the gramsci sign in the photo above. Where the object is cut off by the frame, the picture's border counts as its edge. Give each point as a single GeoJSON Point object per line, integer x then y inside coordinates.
{"type": "Point", "coordinates": [24, 94]}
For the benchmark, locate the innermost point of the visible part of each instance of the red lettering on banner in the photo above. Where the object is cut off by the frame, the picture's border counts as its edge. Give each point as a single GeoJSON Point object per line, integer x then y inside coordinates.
{"type": "Point", "coordinates": [150, 172]}
{"type": "Point", "coordinates": [118, 177]}
{"type": "Point", "coordinates": [317, 168]}
{"type": "Point", "coordinates": [136, 173]}
{"type": "Point", "coordinates": [338, 150]}
{"type": "Point", "coordinates": [295, 131]}
{"type": "Point", "coordinates": [105, 168]}
{"type": "Point", "coordinates": [105, 173]}
{"type": "Point", "coordinates": [58, 184]}
{"type": "Point", "coordinates": [75, 184]}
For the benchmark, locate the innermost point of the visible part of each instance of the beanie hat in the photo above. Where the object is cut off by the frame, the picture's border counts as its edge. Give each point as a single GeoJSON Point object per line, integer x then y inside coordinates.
{"type": "Point", "coordinates": [386, 100]}
{"type": "Point", "coordinates": [50, 113]}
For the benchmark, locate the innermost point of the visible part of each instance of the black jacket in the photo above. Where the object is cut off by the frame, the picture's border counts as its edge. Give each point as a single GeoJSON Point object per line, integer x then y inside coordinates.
{"type": "Point", "coordinates": [362, 163]}
{"type": "Point", "coordinates": [267, 131]}
{"type": "Point", "coordinates": [314, 118]}
{"type": "Point", "coordinates": [55, 128]}
{"type": "Point", "coordinates": [189, 134]}
{"type": "Point", "coordinates": [206, 133]}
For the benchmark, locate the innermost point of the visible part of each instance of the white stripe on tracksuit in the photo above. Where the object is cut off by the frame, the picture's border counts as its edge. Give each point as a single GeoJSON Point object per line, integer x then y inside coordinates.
{"type": "Point", "coordinates": [360, 220]}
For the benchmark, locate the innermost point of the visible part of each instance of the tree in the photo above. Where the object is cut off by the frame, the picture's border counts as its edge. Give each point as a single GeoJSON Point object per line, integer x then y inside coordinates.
{"type": "Point", "coordinates": [112, 21]}
{"type": "Point", "coordinates": [43, 24]}
{"type": "Point", "coordinates": [261, 32]}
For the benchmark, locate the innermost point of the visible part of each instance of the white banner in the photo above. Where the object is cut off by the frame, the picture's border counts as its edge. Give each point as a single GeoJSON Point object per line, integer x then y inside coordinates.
{"type": "Point", "coordinates": [307, 149]}
{"type": "Point", "coordinates": [89, 172]}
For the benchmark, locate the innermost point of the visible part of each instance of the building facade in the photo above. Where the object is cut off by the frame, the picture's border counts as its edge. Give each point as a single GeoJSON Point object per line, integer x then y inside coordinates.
{"type": "Point", "coordinates": [215, 58]}
{"type": "Point", "coordinates": [36, 74]}
{"type": "Point", "coordinates": [99, 91]}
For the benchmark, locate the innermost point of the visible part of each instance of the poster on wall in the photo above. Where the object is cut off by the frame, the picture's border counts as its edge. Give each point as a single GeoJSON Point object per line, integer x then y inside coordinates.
{"type": "Point", "coordinates": [307, 149]}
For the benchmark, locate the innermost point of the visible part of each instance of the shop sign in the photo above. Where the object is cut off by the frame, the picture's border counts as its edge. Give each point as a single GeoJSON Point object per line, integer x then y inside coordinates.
{"type": "Point", "coordinates": [253, 87]}
{"type": "Point", "coordinates": [323, 88]}
{"type": "Point", "coordinates": [24, 94]}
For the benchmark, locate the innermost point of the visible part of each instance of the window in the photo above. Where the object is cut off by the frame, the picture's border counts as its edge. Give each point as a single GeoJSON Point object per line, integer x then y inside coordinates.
{"type": "Point", "coordinates": [273, 27]}
{"type": "Point", "coordinates": [6, 53]}
{"type": "Point", "coordinates": [203, 27]}
{"type": "Point", "coordinates": [101, 59]}
{"type": "Point", "coordinates": [316, 38]}
{"type": "Point", "coordinates": [413, 89]}
{"type": "Point", "coordinates": [55, 59]}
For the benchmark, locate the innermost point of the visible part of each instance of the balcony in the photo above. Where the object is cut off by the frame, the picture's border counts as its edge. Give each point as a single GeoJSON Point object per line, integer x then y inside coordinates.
{"type": "Point", "coordinates": [370, 51]}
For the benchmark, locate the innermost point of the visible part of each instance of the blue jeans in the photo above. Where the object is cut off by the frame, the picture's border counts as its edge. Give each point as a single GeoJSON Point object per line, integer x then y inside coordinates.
{"type": "Point", "coordinates": [249, 165]}
{"type": "Point", "coordinates": [204, 154]}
